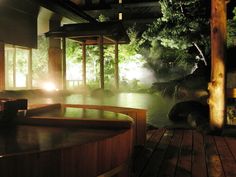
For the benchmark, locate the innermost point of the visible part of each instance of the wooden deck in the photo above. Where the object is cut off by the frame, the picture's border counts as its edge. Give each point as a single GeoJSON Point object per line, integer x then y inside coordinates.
{"type": "Point", "coordinates": [185, 153]}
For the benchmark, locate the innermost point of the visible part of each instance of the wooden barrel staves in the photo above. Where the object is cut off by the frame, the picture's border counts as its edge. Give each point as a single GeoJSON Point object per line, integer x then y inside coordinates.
{"type": "Point", "coordinates": [68, 151]}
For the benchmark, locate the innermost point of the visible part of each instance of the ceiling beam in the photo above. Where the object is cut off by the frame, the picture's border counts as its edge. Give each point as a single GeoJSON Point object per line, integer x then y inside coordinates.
{"type": "Point", "coordinates": [66, 9]}
{"type": "Point", "coordinates": [95, 7]}
{"type": "Point", "coordinates": [141, 4]}
{"type": "Point", "coordinates": [140, 20]}
{"type": "Point", "coordinates": [104, 6]}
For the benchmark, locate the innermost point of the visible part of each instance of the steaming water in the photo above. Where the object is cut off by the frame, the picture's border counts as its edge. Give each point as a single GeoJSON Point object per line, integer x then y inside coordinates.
{"type": "Point", "coordinates": [157, 106]}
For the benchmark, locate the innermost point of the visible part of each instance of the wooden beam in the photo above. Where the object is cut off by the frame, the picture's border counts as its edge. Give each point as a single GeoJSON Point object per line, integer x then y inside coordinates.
{"type": "Point", "coordinates": [109, 39]}
{"type": "Point", "coordinates": [84, 62]}
{"type": "Point", "coordinates": [6, 69]}
{"type": "Point", "coordinates": [106, 6]}
{"type": "Point", "coordinates": [116, 66]}
{"type": "Point", "coordinates": [14, 67]}
{"type": "Point", "coordinates": [2, 66]}
{"type": "Point", "coordinates": [55, 57]}
{"type": "Point", "coordinates": [95, 7]}
{"type": "Point", "coordinates": [141, 4]}
{"type": "Point", "coordinates": [101, 52]}
{"type": "Point", "coordinates": [67, 9]}
{"type": "Point", "coordinates": [29, 78]}
{"type": "Point", "coordinates": [140, 20]}
{"type": "Point", "coordinates": [218, 45]}
{"type": "Point", "coordinates": [90, 31]}
{"type": "Point", "coordinates": [64, 63]}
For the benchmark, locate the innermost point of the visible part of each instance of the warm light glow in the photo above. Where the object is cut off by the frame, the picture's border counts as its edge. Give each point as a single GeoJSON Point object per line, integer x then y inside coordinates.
{"type": "Point", "coordinates": [49, 86]}
{"type": "Point", "coordinates": [20, 80]}
{"type": "Point", "coordinates": [120, 1]}
{"type": "Point", "coordinates": [120, 16]}
{"type": "Point", "coordinates": [216, 102]}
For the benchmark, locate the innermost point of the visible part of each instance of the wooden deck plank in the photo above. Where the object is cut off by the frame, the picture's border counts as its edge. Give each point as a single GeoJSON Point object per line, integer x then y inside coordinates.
{"type": "Point", "coordinates": [214, 166]}
{"type": "Point", "coordinates": [190, 154]}
{"type": "Point", "coordinates": [227, 159]}
{"type": "Point", "coordinates": [140, 150]}
{"type": "Point", "coordinates": [150, 134]}
{"type": "Point", "coordinates": [154, 164]}
{"type": "Point", "coordinates": [145, 154]}
{"type": "Point", "coordinates": [231, 142]}
{"type": "Point", "coordinates": [198, 158]}
{"type": "Point", "coordinates": [169, 163]}
{"type": "Point", "coordinates": [185, 159]}
{"type": "Point", "coordinates": [154, 139]}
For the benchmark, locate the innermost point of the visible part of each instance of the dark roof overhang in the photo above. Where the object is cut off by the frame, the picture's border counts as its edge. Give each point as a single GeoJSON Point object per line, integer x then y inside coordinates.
{"type": "Point", "coordinates": [89, 33]}
{"type": "Point", "coordinates": [67, 9]}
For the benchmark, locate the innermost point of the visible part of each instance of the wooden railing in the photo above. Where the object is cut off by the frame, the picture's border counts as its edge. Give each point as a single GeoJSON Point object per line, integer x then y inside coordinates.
{"type": "Point", "coordinates": [138, 115]}
{"type": "Point", "coordinates": [231, 93]}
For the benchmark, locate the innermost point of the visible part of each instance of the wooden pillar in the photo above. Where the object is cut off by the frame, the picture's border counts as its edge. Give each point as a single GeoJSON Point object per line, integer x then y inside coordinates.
{"type": "Point", "coordinates": [84, 62]}
{"type": "Point", "coordinates": [218, 45]}
{"type": "Point", "coordinates": [14, 68]}
{"type": "Point", "coordinates": [64, 63]}
{"type": "Point", "coordinates": [55, 56]}
{"type": "Point", "coordinates": [101, 52]}
{"type": "Point", "coordinates": [2, 66]}
{"type": "Point", "coordinates": [29, 78]}
{"type": "Point", "coordinates": [116, 66]}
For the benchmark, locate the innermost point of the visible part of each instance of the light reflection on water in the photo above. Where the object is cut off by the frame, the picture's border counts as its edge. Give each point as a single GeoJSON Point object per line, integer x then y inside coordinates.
{"type": "Point", "coordinates": [156, 105]}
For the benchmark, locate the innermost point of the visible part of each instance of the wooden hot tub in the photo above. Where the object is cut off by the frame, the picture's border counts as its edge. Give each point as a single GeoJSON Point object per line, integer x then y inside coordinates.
{"type": "Point", "coordinates": [67, 141]}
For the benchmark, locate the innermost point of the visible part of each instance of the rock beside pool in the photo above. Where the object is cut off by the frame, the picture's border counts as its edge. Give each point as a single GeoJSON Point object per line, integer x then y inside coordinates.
{"type": "Point", "coordinates": [187, 87]}
{"type": "Point", "coordinates": [194, 113]}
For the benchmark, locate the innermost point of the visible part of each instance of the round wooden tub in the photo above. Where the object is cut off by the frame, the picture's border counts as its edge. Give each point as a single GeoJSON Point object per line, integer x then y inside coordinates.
{"type": "Point", "coordinates": [59, 144]}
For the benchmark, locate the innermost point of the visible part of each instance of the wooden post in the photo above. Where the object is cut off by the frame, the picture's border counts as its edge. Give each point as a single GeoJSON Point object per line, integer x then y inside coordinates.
{"type": "Point", "coordinates": [218, 45]}
{"type": "Point", "coordinates": [101, 62]}
{"type": "Point", "coordinates": [2, 66]}
{"type": "Point", "coordinates": [64, 63]}
{"type": "Point", "coordinates": [116, 66]}
{"type": "Point", "coordinates": [84, 63]}
{"type": "Point", "coordinates": [14, 67]}
{"type": "Point", "coordinates": [29, 78]}
{"type": "Point", "coordinates": [55, 56]}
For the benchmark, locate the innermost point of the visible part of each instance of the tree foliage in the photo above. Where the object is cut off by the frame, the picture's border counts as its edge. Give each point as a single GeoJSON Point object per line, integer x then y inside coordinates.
{"type": "Point", "coordinates": [182, 24]}
{"type": "Point", "coordinates": [167, 63]}
{"type": "Point", "coordinates": [73, 51]}
{"type": "Point", "coordinates": [234, 11]}
{"type": "Point", "coordinates": [179, 38]}
{"type": "Point", "coordinates": [231, 30]}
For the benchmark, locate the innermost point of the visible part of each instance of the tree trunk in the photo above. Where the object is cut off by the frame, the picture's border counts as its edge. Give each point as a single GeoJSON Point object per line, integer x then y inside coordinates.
{"type": "Point", "coordinates": [101, 54]}
{"type": "Point", "coordinates": [218, 45]}
{"type": "Point", "coordinates": [116, 66]}
{"type": "Point", "coordinates": [84, 63]}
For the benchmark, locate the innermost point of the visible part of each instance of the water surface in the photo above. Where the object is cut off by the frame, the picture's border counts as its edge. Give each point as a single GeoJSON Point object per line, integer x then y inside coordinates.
{"type": "Point", "coordinates": [157, 106]}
